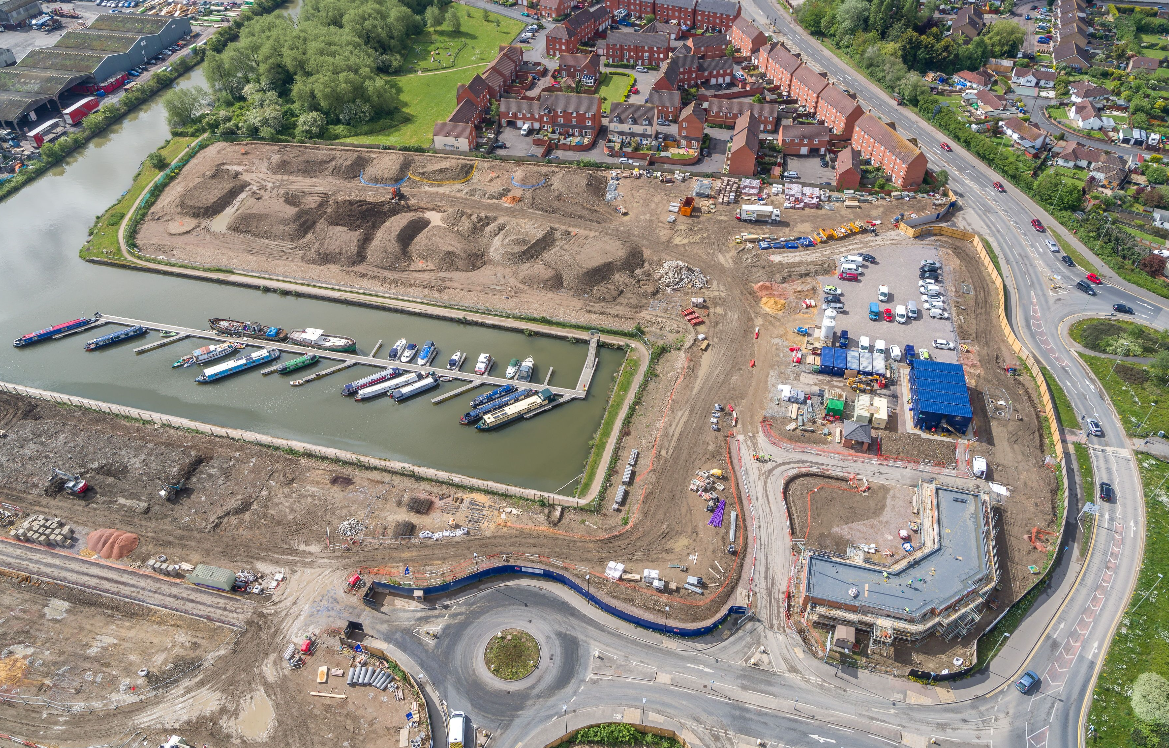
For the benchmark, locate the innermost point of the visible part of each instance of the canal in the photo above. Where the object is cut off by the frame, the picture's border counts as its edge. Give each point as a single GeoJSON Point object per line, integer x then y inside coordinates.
{"type": "Point", "coordinates": [42, 282]}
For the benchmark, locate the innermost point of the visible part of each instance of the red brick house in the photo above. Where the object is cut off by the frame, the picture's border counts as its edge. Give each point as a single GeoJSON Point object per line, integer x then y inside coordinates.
{"type": "Point", "coordinates": [746, 37]}
{"type": "Point", "coordinates": [727, 112]}
{"type": "Point", "coordinates": [803, 140]}
{"type": "Point", "coordinates": [778, 64]}
{"type": "Point", "coordinates": [883, 146]}
{"type": "Point", "coordinates": [668, 104]}
{"type": "Point", "coordinates": [686, 71]}
{"type": "Point", "coordinates": [639, 8]}
{"type": "Point", "coordinates": [707, 46]}
{"type": "Point", "coordinates": [838, 110]}
{"type": "Point", "coordinates": [454, 136]}
{"type": "Point", "coordinates": [636, 47]}
{"type": "Point", "coordinates": [1143, 64]}
{"type": "Point", "coordinates": [744, 147]}
{"type": "Point", "coordinates": [585, 67]}
{"type": "Point", "coordinates": [807, 85]}
{"type": "Point", "coordinates": [716, 15]}
{"type": "Point", "coordinates": [478, 92]}
{"type": "Point", "coordinates": [580, 27]}
{"type": "Point", "coordinates": [562, 113]}
{"type": "Point", "coordinates": [848, 169]}
{"type": "Point", "coordinates": [659, 27]}
{"type": "Point", "coordinates": [680, 12]}
{"type": "Point", "coordinates": [554, 8]}
{"type": "Point", "coordinates": [466, 113]}
{"type": "Point", "coordinates": [692, 125]}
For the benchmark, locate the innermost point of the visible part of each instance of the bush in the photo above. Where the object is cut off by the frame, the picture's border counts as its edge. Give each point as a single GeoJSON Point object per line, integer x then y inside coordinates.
{"type": "Point", "coordinates": [1154, 265]}
{"type": "Point", "coordinates": [156, 161]}
{"type": "Point", "coordinates": [1150, 699]}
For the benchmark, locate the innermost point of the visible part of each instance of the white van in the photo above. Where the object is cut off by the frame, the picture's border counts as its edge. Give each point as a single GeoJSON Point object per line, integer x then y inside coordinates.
{"type": "Point", "coordinates": [929, 287]}
{"type": "Point", "coordinates": [882, 293]}
{"type": "Point", "coordinates": [978, 467]}
{"type": "Point", "coordinates": [911, 309]}
{"type": "Point", "coordinates": [879, 347]}
{"type": "Point", "coordinates": [850, 267]}
{"type": "Point", "coordinates": [865, 343]}
{"type": "Point", "coordinates": [855, 259]}
{"type": "Point", "coordinates": [527, 128]}
{"type": "Point", "coordinates": [894, 353]}
{"type": "Point", "coordinates": [899, 314]}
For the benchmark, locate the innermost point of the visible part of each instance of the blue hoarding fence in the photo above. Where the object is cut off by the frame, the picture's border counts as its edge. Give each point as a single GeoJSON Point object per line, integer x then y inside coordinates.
{"type": "Point", "coordinates": [532, 571]}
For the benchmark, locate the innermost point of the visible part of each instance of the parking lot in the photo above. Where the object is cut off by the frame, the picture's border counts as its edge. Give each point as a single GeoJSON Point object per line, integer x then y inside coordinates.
{"type": "Point", "coordinates": [810, 170]}
{"type": "Point", "coordinates": [896, 267]}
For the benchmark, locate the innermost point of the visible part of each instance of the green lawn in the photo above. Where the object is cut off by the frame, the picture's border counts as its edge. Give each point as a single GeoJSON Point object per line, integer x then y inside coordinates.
{"type": "Point", "coordinates": [616, 400]}
{"type": "Point", "coordinates": [477, 41]}
{"type": "Point", "coordinates": [1079, 176]}
{"type": "Point", "coordinates": [1142, 235]}
{"type": "Point", "coordinates": [1140, 644]}
{"type": "Point", "coordinates": [1063, 406]}
{"type": "Point", "coordinates": [1087, 474]}
{"type": "Point", "coordinates": [613, 87]}
{"type": "Point", "coordinates": [1137, 398]}
{"type": "Point", "coordinates": [103, 241]}
{"type": "Point", "coordinates": [426, 99]}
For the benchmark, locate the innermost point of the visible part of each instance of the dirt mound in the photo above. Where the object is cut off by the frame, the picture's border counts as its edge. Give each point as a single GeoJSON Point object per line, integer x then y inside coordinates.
{"type": "Point", "coordinates": [573, 193]}
{"type": "Point", "coordinates": [112, 544]}
{"type": "Point", "coordinates": [542, 276]}
{"type": "Point", "coordinates": [472, 224]}
{"type": "Point", "coordinates": [439, 248]}
{"type": "Point", "coordinates": [520, 242]}
{"type": "Point", "coordinates": [305, 162]}
{"type": "Point", "coordinates": [769, 290]}
{"type": "Point", "coordinates": [388, 168]}
{"type": "Point", "coordinates": [445, 170]}
{"type": "Point", "coordinates": [275, 219]}
{"type": "Point", "coordinates": [336, 245]}
{"type": "Point", "coordinates": [388, 249]}
{"type": "Point", "coordinates": [591, 261]}
{"type": "Point", "coordinates": [211, 195]}
{"type": "Point", "coordinates": [529, 176]}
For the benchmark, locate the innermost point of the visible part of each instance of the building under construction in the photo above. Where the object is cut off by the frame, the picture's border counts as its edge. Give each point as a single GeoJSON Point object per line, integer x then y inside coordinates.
{"type": "Point", "coordinates": [940, 587]}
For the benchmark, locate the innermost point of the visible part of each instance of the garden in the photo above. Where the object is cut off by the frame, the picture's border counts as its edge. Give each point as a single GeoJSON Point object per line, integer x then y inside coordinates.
{"type": "Point", "coordinates": [614, 87]}
{"type": "Point", "coordinates": [512, 654]}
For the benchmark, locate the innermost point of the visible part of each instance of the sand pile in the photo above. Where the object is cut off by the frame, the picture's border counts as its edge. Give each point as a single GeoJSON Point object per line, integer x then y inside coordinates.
{"type": "Point", "coordinates": [439, 248]}
{"type": "Point", "coordinates": [213, 193]}
{"type": "Point", "coordinates": [589, 261]}
{"type": "Point", "coordinates": [539, 275]}
{"type": "Point", "coordinates": [112, 544]}
{"type": "Point", "coordinates": [441, 170]}
{"type": "Point", "coordinates": [574, 193]}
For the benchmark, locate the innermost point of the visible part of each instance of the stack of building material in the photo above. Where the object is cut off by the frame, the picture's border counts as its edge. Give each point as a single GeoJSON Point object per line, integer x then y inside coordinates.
{"type": "Point", "coordinates": [716, 519]}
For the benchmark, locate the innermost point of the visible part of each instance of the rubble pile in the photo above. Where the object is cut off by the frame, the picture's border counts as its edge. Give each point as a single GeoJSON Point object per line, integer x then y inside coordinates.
{"type": "Point", "coordinates": [674, 275]}
{"type": "Point", "coordinates": [351, 527]}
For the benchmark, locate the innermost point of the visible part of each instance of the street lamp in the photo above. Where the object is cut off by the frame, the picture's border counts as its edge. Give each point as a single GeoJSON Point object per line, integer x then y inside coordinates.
{"type": "Point", "coordinates": [588, 589]}
{"type": "Point", "coordinates": [564, 707]}
{"type": "Point", "coordinates": [1142, 424]}
{"type": "Point", "coordinates": [666, 620]}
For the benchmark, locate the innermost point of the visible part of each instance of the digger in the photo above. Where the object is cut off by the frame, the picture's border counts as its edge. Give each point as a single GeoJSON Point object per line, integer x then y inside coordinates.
{"type": "Point", "coordinates": [70, 483]}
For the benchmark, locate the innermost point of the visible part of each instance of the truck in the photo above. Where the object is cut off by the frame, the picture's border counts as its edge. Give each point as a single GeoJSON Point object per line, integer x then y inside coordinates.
{"type": "Point", "coordinates": [455, 730]}
{"type": "Point", "coordinates": [45, 132]}
{"type": "Point", "coordinates": [82, 109]}
{"type": "Point", "coordinates": [757, 213]}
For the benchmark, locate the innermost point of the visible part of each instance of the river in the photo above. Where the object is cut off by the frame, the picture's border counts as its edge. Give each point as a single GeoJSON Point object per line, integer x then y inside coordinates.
{"type": "Point", "coordinates": [43, 282]}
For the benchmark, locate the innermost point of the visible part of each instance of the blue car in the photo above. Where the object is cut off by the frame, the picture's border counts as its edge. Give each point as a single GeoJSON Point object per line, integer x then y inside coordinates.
{"type": "Point", "coordinates": [843, 341]}
{"type": "Point", "coordinates": [1028, 680]}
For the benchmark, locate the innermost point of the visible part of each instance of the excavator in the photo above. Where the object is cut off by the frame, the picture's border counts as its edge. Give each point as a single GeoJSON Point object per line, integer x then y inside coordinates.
{"type": "Point", "coordinates": [70, 483]}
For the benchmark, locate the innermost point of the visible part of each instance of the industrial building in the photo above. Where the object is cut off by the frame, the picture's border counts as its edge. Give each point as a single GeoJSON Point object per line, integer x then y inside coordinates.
{"type": "Point", "coordinates": [32, 90]}
{"type": "Point", "coordinates": [15, 12]}
{"type": "Point", "coordinates": [938, 398]}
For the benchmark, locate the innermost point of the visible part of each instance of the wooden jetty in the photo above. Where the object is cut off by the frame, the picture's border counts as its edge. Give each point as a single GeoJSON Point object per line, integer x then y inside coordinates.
{"type": "Point", "coordinates": [454, 393]}
{"type": "Point", "coordinates": [160, 343]}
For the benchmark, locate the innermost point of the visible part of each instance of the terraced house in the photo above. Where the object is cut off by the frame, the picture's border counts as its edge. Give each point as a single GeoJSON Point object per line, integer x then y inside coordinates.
{"type": "Point", "coordinates": [747, 37]}
{"type": "Point", "coordinates": [778, 64]}
{"type": "Point", "coordinates": [636, 48]}
{"type": "Point", "coordinates": [884, 147]}
{"type": "Point", "coordinates": [667, 103]}
{"type": "Point", "coordinates": [559, 113]}
{"type": "Point", "coordinates": [706, 46]}
{"type": "Point", "coordinates": [727, 112]}
{"type": "Point", "coordinates": [578, 28]}
{"type": "Point", "coordinates": [680, 12]}
{"type": "Point", "coordinates": [636, 8]}
{"type": "Point", "coordinates": [716, 15]}
{"type": "Point", "coordinates": [626, 118]}
{"type": "Point", "coordinates": [687, 71]}
{"type": "Point", "coordinates": [807, 85]}
{"type": "Point", "coordinates": [838, 110]}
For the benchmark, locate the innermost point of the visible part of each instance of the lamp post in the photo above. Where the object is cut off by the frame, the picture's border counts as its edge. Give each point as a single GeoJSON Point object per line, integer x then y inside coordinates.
{"type": "Point", "coordinates": [666, 620]}
{"type": "Point", "coordinates": [588, 589]}
{"type": "Point", "coordinates": [564, 708]}
{"type": "Point", "coordinates": [1142, 424]}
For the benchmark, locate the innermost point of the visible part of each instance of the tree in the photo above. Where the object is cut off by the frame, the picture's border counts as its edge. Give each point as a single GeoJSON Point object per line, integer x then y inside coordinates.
{"type": "Point", "coordinates": [1152, 264]}
{"type": "Point", "coordinates": [157, 161]}
{"type": "Point", "coordinates": [757, 99]}
{"type": "Point", "coordinates": [1155, 173]}
{"type": "Point", "coordinates": [1153, 198]}
{"type": "Point", "coordinates": [452, 18]}
{"type": "Point", "coordinates": [184, 105]}
{"type": "Point", "coordinates": [1150, 692]}
{"type": "Point", "coordinates": [913, 89]}
{"type": "Point", "coordinates": [433, 16]}
{"type": "Point", "coordinates": [730, 51]}
{"type": "Point", "coordinates": [310, 125]}
{"type": "Point", "coordinates": [1004, 38]}
{"type": "Point", "coordinates": [942, 177]}
{"type": "Point", "coordinates": [851, 17]}
{"type": "Point", "coordinates": [1159, 368]}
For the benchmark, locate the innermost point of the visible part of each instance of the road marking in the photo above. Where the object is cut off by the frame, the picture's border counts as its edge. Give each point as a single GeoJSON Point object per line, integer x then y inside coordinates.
{"type": "Point", "coordinates": [820, 739]}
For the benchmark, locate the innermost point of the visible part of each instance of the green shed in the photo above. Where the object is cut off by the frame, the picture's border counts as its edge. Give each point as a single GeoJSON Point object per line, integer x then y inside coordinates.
{"type": "Point", "coordinates": [834, 407]}
{"type": "Point", "coordinates": [212, 577]}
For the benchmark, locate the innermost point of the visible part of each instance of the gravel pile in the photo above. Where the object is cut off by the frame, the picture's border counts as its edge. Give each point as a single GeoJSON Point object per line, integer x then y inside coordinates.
{"type": "Point", "coordinates": [674, 275]}
{"type": "Point", "coordinates": [351, 527]}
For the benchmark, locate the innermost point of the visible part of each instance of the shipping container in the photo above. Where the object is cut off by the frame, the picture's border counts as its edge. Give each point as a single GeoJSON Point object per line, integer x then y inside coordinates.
{"type": "Point", "coordinates": [44, 133]}
{"type": "Point", "coordinates": [82, 109]}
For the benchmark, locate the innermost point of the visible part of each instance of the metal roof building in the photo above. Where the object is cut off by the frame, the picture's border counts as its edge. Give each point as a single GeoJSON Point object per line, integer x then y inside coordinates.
{"type": "Point", "coordinates": [13, 12]}
{"type": "Point", "coordinates": [938, 397]}
{"type": "Point", "coordinates": [212, 577]}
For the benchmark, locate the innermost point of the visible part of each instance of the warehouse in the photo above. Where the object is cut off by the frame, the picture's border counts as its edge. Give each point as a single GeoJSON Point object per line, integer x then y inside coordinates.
{"type": "Point", "coordinates": [15, 12]}
{"type": "Point", "coordinates": [938, 397]}
{"type": "Point", "coordinates": [32, 89]}
{"type": "Point", "coordinates": [212, 577]}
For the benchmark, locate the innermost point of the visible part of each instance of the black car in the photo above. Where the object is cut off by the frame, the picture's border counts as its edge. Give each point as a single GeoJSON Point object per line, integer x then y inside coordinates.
{"type": "Point", "coordinates": [1122, 308]}
{"type": "Point", "coordinates": [929, 265]}
{"type": "Point", "coordinates": [1106, 492]}
{"type": "Point", "coordinates": [869, 259]}
{"type": "Point", "coordinates": [831, 297]}
{"type": "Point", "coordinates": [1086, 288]}
{"type": "Point", "coordinates": [930, 275]}
{"type": "Point", "coordinates": [1068, 261]}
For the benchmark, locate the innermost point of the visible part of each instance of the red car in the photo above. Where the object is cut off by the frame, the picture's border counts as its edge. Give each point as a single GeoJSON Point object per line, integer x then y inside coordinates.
{"type": "Point", "coordinates": [946, 147]}
{"type": "Point", "coordinates": [999, 186]}
{"type": "Point", "coordinates": [848, 276]}
{"type": "Point", "coordinates": [888, 314]}
{"type": "Point", "coordinates": [1093, 278]}
{"type": "Point", "coordinates": [1037, 225]}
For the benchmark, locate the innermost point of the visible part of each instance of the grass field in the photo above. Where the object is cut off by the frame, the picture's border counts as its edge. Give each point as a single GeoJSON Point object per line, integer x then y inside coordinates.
{"type": "Point", "coordinates": [426, 99]}
{"type": "Point", "coordinates": [613, 87]}
{"type": "Point", "coordinates": [512, 654]}
{"type": "Point", "coordinates": [103, 242]}
{"type": "Point", "coordinates": [1140, 644]}
{"type": "Point", "coordinates": [1074, 253]}
{"type": "Point", "coordinates": [620, 392]}
{"type": "Point", "coordinates": [476, 42]}
{"type": "Point", "coordinates": [1063, 406]}
{"type": "Point", "coordinates": [1142, 235]}
{"type": "Point", "coordinates": [1137, 398]}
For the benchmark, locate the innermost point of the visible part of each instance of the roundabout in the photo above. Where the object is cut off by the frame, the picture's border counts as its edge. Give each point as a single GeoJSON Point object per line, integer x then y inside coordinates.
{"type": "Point", "coordinates": [512, 654]}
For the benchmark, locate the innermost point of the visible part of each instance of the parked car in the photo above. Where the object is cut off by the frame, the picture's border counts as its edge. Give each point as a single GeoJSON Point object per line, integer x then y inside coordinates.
{"type": "Point", "coordinates": [929, 266]}
{"type": "Point", "coordinates": [1028, 680]}
{"type": "Point", "coordinates": [837, 304]}
{"type": "Point", "coordinates": [842, 340]}
{"type": "Point", "coordinates": [1037, 225]}
{"type": "Point", "coordinates": [1122, 308]}
{"type": "Point", "coordinates": [791, 175]}
{"type": "Point", "coordinates": [831, 297]}
{"type": "Point", "coordinates": [1068, 261]}
{"type": "Point", "coordinates": [894, 353]}
{"type": "Point", "coordinates": [1092, 426]}
{"type": "Point", "coordinates": [928, 275]}
{"type": "Point", "coordinates": [1093, 278]}
{"type": "Point", "coordinates": [869, 258]}
{"type": "Point", "coordinates": [924, 355]}
{"type": "Point", "coordinates": [842, 275]}
{"type": "Point", "coordinates": [1106, 492]}
{"type": "Point", "coordinates": [910, 352]}
{"type": "Point", "coordinates": [888, 314]}
{"type": "Point", "coordinates": [946, 147]}
{"type": "Point", "coordinates": [640, 69]}
{"type": "Point", "coordinates": [939, 314]}
{"type": "Point", "coordinates": [943, 345]}
{"type": "Point", "coordinates": [831, 289]}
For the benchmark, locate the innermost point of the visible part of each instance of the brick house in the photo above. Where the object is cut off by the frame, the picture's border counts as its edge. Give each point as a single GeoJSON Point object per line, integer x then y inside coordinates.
{"type": "Point", "coordinates": [744, 147]}
{"type": "Point", "coordinates": [562, 113]}
{"type": "Point", "coordinates": [727, 112]}
{"type": "Point", "coordinates": [585, 67]}
{"type": "Point", "coordinates": [626, 118]}
{"type": "Point", "coordinates": [838, 111]}
{"type": "Point", "coordinates": [716, 15]}
{"type": "Point", "coordinates": [667, 103]}
{"type": "Point", "coordinates": [746, 37]}
{"type": "Point", "coordinates": [707, 46]}
{"type": "Point", "coordinates": [1024, 134]}
{"type": "Point", "coordinates": [884, 147]}
{"type": "Point", "coordinates": [680, 12]}
{"type": "Point", "coordinates": [638, 8]}
{"type": "Point", "coordinates": [686, 71]}
{"type": "Point", "coordinates": [968, 22]}
{"type": "Point", "coordinates": [807, 86]}
{"type": "Point", "coordinates": [1087, 90]}
{"type": "Point", "coordinates": [803, 140]}
{"type": "Point", "coordinates": [580, 27]}
{"type": "Point", "coordinates": [991, 103]}
{"type": "Point", "coordinates": [1143, 64]}
{"type": "Point", "coordinates": [636, 47]}
{"type": "Point", "coordinates": [478, 92]}
{"type": "Point", "coordinates": [975, 79]}
{"type": "Point", "coordinates": [692, 125]}
{"type": "Point", "coordinates": [454, 136]}
{"type": "Point", "coordinates": [553, 8]}
{"type": "Point", "coordinates": [660, 27]}
{"type": "Point", "coordinates": [778, 64]}
{"type": "Point", "coordinates": [848, 169]}
{"type": "Point", "coordinates": [466, 113]}
{"type": "Point", "coordinates": [1072, 55]}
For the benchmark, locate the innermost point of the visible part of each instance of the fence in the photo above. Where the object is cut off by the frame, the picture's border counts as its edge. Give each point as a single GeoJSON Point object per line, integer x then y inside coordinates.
{"type": "Point", "coordinates": [312, 450]}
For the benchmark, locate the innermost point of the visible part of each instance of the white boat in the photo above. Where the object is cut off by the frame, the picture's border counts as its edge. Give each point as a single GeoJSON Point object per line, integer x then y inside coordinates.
{"type": "Point", "coordinates": [512, 367]}
{"type": "Point", "coordinates": [408, 353]}
{"type": "Point", "coordinates": [397, 350]}
{"type": "Point", "coordinates": [527, 368]}
{"type": "Point", "coordinates": [315, 337]}
{"type": "Point", "coordinates": [456, 361]}
{"type": "Point", "coordinates": [209, 353]}
{"type": "Point", "coordinates": [484, 363]}
{"type": "Point", "coordinates": [429, 349]}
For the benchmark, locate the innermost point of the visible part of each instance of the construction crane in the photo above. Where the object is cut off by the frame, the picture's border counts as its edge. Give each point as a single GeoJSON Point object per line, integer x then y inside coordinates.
{"type": "Point", "coordinates": [72, 484]}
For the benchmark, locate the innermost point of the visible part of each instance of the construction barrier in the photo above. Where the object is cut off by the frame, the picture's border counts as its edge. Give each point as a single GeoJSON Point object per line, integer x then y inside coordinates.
{"type": "Point", "coordinates": [361, 177]}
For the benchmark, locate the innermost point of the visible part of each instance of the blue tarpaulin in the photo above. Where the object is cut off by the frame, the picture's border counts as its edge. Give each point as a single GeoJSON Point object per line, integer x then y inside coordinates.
{"type": "Point", "coordinates": [938, 395]}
